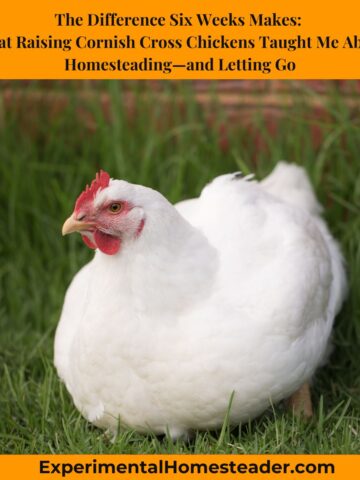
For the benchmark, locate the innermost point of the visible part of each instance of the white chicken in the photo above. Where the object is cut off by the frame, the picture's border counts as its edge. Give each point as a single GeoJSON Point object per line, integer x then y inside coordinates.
{"type": "Point", "coordinates": [228, 296]}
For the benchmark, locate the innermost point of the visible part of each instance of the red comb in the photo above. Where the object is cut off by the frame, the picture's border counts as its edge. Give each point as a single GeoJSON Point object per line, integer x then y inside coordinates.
{"type": "Point", "coordinates": [102, 180]}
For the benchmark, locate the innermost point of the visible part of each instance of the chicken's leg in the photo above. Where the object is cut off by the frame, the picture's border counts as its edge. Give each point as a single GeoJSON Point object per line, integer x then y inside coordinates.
{"type": "Point", "coordinates": [300, 401]}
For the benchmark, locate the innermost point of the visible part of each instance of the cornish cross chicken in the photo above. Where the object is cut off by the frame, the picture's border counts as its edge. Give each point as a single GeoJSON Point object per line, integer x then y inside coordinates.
{"type": "Point", "coordinates": [231, 295]}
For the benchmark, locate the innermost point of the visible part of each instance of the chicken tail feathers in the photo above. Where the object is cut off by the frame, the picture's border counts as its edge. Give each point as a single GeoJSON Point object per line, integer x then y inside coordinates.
{"type": "Point", "coordinates": [290, 183]}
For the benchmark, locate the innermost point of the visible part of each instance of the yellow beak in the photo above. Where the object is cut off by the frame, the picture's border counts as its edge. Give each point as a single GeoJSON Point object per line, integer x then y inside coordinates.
{"type": "Point", "coordinates": [72, 225]}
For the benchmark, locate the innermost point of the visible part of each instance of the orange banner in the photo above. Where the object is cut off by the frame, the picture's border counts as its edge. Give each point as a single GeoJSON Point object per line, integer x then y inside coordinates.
{"type": "Point", "coordinates": [67, 39]}
{"type": "Point", "coordinates": [102, 467]}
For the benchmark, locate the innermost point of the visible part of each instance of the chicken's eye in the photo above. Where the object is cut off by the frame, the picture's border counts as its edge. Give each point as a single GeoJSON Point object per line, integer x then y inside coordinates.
{"type": "Point", "coordinates": [115, 207]}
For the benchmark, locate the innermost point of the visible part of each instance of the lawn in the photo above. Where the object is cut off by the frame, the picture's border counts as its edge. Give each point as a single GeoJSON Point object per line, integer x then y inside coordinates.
{"type": "Point", "coordinates": [41, 175]}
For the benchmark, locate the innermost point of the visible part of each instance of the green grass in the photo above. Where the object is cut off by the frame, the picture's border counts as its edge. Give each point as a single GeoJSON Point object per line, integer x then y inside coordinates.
{"type": "Point", "coordinates": [41, 175]}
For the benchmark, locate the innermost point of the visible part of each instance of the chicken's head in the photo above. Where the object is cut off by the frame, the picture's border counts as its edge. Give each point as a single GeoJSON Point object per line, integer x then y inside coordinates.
{"type": "Point", "coordinates": [105, 216]}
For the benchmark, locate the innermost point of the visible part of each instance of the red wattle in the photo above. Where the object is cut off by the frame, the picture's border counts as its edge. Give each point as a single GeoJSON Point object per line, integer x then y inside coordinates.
{"type": "Point", "coordinates": [107, 243]}
{"type": "Point", "coordinates": [88, 242]}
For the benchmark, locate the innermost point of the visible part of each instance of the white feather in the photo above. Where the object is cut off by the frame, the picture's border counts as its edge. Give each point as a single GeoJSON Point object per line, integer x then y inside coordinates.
{"type": "Point", "coordinates": [233, 292]}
